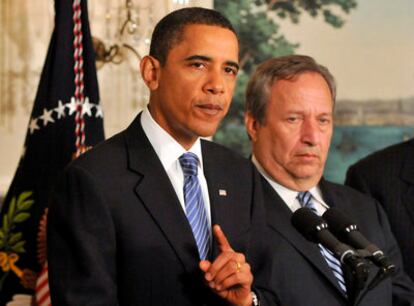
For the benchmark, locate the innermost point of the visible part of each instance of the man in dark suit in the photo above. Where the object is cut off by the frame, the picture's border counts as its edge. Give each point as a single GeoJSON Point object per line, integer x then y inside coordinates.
{"type": "Point", "coordinates": [388, 176]}
{"type": "Point", "coordinates": [289, 118]}
{"type": "Point", "coordinates": [132, 220]}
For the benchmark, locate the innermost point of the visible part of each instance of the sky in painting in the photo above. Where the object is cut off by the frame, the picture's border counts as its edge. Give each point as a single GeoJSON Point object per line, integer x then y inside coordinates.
{"type": "Point", "coordinates": [371, 56]}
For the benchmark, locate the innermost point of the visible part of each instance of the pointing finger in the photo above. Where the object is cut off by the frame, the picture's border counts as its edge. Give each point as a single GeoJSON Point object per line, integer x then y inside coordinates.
{"type": "Point", "coordinates": [222, 241]}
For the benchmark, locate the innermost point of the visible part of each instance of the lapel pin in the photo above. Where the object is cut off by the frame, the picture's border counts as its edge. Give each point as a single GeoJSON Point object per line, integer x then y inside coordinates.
{"type": "Point", "coordinates": [222, 192]}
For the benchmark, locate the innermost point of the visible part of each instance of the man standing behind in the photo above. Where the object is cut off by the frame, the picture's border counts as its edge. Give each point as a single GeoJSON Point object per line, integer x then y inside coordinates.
{"type": "Point", "coordinates": [289, 118]}
{"type": "Point", "coordinates": [388, 176]}
{"type": "Point", "coordinates": [132, 219]}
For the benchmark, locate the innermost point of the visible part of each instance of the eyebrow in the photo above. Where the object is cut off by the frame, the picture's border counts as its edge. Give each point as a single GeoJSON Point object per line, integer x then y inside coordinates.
{"type": "Point", "coordinates": [209, 59]}
{"type": "Point", "coordinates": [301, 112]}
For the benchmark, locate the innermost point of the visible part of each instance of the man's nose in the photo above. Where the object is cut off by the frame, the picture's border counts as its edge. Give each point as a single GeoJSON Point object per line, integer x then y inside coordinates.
{"type": "Point", "coordinates": [310, 132]}
{"type": "Point", "coordinates": [215, 82]}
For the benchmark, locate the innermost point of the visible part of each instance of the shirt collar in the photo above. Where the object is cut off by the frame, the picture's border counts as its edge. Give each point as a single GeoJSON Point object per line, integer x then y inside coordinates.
{"type": "Point", "coordinates": [167, 148]}
{"type": "Point", "coordinates": [317, 195]}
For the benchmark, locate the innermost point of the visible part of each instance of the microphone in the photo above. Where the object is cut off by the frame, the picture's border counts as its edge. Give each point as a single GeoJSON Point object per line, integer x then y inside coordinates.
{"type": "Point", "coordinates": [347, 230]}
{"type": "Point", "coordinates": [315, 229]}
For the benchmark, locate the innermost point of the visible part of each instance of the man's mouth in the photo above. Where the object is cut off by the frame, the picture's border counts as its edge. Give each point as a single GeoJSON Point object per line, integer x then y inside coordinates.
{"type": "Point", "coordinates": [210, 108]}
{"type": "Point", "coordinates": [308, 156]}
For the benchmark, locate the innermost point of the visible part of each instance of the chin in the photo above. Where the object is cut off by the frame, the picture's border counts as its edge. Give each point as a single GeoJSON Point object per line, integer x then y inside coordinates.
{"type": "Point", "coordinates": [309, 174]}
{"type": "Point", "coordinates": [206, 132]}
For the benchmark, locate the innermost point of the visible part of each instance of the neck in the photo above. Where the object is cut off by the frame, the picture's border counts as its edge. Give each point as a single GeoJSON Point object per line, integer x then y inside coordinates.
{"type": "Point", "coordinates": [180, 135]}
{"type": "Point", "coordinates": [297, 185]}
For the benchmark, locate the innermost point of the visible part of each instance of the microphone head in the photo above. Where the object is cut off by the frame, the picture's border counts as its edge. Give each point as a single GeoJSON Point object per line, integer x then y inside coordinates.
{"type": "Point", "coordinates": [308, 223]}
{"type": "Point", "coordinates": [339, 223]}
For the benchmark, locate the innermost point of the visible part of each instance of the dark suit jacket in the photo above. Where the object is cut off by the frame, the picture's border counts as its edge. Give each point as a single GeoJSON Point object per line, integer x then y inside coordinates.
{"type": "Point", "coordinates": [118, 236]}
{"type": "Point", "coordinates": [388, 176]}
{"type": "Point", "coordinates": [298, 273]}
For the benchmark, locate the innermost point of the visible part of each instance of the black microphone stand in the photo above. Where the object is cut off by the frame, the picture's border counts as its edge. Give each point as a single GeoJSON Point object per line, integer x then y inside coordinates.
{"type": "Point", "coordinates": [358, 275]}
{"type": "Point", "coordinates": [386, 270]}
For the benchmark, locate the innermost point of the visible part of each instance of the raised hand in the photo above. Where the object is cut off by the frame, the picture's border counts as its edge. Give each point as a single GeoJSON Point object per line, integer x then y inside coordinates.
{"type": "Point", "coordinates": [229, 274]}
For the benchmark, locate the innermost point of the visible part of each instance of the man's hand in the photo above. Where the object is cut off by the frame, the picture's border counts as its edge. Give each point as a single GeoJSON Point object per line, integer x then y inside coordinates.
{"type": "Point", "coordinates": [229, 274]}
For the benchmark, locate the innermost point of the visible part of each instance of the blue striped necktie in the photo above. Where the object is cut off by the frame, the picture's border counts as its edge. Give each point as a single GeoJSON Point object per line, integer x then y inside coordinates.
{"type": "Point", "coordinates": [194, 203]}
{"type": "Point", "coordinates": [305, 200]}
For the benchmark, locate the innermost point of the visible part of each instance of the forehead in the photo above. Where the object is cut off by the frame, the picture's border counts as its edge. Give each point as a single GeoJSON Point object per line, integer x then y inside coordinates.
{"type": "Point", "coordinates": [207, 40]}
{"type": "Point", "coordinates": [307, 89]}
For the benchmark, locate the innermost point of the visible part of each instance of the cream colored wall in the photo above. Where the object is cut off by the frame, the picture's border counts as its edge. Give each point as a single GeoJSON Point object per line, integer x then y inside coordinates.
{"type": "Point", "coordinates": [25, 30]}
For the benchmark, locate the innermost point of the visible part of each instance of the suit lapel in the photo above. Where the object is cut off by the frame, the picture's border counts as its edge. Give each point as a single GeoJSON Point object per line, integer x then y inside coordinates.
{"type": "Point", "coordinates": [407, 175]}
{"type": "Point", "coordinates": [157, 194]}
{"type": "Point", "coordinates": [278, 218]}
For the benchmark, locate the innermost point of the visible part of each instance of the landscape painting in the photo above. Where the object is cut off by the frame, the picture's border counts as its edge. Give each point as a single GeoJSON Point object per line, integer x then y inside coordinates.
{"type": "Point", "coordinates": [368, 47]}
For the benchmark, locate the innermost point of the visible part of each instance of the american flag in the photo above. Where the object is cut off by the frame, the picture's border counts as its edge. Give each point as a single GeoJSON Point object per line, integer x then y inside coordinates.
{"type": "Point", "coordinates": [65, 121]}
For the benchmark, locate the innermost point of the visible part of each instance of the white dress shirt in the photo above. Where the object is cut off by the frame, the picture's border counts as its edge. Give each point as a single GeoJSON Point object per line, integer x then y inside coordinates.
{"type": "Point", "coordinates": [168, 151]}
{"type": "Point", "coordinates": [290, 196]}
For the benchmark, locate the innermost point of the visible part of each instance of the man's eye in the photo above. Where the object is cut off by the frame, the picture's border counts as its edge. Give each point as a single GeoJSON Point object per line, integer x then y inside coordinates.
{"type": "Point", "coordinates": [198, 65]}
{"type": "Point", "coordinates": [324, 120]}
{"type": "Point", "coordinates": [292, 119]}
{"type": "Point", "coordinates": [231, 70]}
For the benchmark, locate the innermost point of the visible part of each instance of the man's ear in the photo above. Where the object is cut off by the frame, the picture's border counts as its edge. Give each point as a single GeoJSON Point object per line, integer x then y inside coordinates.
{"type": "Point", "coordinates": [251, 126]}
{"type": "Point", "coordinates": [150, 71]}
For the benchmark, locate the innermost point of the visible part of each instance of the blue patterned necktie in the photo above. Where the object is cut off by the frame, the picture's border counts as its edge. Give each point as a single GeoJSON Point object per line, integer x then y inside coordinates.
{"type": "Point", "coordinates": [305, 200]}
{"type": "Point", "coordinates": [194, 203]}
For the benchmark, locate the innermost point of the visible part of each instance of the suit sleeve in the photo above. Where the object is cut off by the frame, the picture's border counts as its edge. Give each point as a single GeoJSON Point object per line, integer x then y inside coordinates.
{"type": "Point", "coordinates": [402, 285]}
{"type": "Point", "coordinates": [81, 243]}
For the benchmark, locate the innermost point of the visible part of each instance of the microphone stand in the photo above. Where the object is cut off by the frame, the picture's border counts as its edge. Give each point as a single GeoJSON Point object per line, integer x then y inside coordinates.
{"type": "Point", "coordinates": [358, 274]}
{"type": "Point", "coordinates": [387, 270]}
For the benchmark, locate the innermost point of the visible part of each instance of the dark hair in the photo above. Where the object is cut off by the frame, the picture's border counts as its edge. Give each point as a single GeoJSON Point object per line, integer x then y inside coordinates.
{"type": "Point", "coordinates": [168, 31]}
{"type": "Point", "coordinates": [280, 68]}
